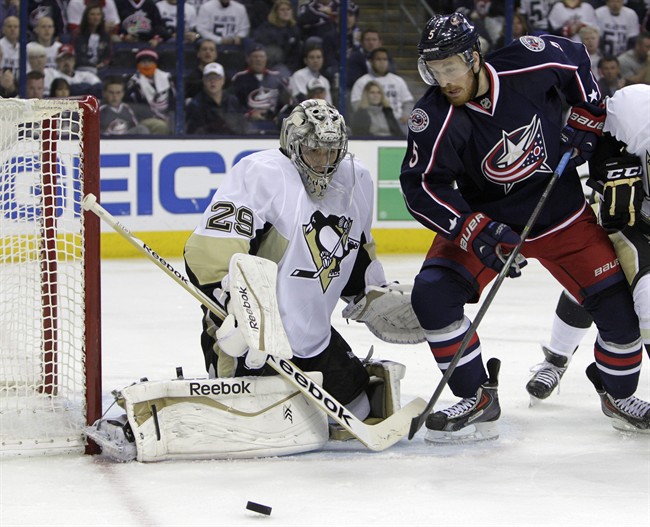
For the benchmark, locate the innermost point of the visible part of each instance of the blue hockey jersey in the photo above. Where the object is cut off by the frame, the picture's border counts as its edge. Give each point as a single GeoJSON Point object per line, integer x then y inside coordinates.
{"type": "Point", "coordinates": [496, 153]}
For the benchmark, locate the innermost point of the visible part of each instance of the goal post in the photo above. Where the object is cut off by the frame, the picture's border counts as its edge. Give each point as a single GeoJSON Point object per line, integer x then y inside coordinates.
{"type": "Point", "coordinates": [50, 312]}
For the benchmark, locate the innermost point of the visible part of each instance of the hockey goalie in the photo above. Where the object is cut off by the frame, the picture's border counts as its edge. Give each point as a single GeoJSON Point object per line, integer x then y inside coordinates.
{"type": "Point", "coordinates": [284, 239]}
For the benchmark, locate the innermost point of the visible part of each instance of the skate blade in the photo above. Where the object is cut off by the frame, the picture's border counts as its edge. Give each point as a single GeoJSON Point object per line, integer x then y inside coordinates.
{"type": "Point", "coordinates": [534, 401]}
{"type": "Point", "coordinates": [624, 426]}
{"type": "Point", "coordinates": [469, 434]}
{"type": "Point", "coordinates": [116, 449]}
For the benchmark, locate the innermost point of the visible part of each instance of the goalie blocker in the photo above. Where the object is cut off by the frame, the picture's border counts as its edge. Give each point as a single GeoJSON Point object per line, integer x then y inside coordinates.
{"type": "Point", "coordinates": [229, 418]}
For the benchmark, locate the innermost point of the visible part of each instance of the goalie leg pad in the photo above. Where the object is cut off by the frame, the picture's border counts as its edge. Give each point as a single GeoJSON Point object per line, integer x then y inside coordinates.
{"type": "Point", "coordinates": [243, 417]}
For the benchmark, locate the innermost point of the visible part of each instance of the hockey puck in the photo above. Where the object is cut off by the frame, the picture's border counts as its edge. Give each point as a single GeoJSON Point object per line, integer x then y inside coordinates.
{"type": "Point", "coordinates": [259, 508]}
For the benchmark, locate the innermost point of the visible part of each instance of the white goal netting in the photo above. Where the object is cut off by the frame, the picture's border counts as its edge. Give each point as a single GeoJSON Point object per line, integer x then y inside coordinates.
{"type": "Point", "coordinates": [42, 274]}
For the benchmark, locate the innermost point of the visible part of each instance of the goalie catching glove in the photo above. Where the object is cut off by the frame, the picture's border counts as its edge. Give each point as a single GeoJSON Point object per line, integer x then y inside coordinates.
{"type": "Point", "coordinates": [388, 313]}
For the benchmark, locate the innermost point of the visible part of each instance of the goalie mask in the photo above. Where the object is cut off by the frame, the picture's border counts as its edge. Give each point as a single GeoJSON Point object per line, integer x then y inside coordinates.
{"type": "Point", "coordinates": [315, 138]}
{"type": "Point", "coordinates": [443, 37]}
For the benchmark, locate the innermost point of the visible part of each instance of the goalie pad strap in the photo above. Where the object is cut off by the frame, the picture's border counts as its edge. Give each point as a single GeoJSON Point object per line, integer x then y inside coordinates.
{"type": "Point", "coordinates": [383, 393]}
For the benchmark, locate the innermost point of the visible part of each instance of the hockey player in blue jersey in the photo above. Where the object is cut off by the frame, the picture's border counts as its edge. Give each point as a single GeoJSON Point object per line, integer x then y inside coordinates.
{"type": "Point", "coordinates": [483, 142]}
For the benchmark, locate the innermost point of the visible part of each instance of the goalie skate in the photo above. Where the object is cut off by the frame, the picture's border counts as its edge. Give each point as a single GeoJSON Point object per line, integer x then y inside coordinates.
{"type": "Point", "coordinates": [630, 414]}
{"type": "Point", "coordinates": [115, 438]}
{"type": "Point", "coordinates": [472, 419]}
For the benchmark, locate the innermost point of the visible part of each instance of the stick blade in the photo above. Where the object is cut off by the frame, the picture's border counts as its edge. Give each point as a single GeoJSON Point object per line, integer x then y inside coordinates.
{"type": "Point", "coordinates": [396, 427]}
{"type": "Point", "coordinates": [416, 424]}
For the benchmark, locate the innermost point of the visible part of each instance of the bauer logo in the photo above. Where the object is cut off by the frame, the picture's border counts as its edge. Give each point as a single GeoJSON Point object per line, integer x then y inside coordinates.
{"type": "Point", "coordinates": [220, 388]}
{"type": "Point", "coordinates": [418, 120]}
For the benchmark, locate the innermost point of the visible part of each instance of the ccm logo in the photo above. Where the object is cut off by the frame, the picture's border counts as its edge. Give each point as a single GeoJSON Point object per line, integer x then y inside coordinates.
{"type": "Point", "coordinates": [625, 172]}
{"type": "Point", "coordinates": [586, 122]}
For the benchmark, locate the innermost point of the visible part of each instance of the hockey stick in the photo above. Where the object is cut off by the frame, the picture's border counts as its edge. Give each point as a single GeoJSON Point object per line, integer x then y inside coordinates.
{"type": "Point", "coordinates": [420, 419]}
{"type": "Point", "coordinates": [376, 437]}
{"type": "Point", "coordinates": [90, 203]}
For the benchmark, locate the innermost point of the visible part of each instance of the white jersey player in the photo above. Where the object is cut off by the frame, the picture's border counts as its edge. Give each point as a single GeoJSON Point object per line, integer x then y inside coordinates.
{"type": "Point", "coordinates": [309, 207]}
{"type": "Point", "coordinates": [620, 174]}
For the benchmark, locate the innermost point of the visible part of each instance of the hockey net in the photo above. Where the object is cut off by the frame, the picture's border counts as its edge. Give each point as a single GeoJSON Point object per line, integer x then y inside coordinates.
{"type": "Point", "coordinates": [50, 370]}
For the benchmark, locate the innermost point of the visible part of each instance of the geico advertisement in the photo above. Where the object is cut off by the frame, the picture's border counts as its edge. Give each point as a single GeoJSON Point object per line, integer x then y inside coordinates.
{"type": "Point", "coordinates": [165, 185]}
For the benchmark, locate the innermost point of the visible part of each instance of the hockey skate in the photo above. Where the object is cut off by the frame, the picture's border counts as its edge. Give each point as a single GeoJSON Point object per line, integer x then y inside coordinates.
{"type": "Point", "coordinates": [628, 415]}
{"type": "Point", "coordinates": [471, 419]}
{"type": "Point", "coordinates": [547, 374]}
{"type": "Point", "coordinates": [115, 438]}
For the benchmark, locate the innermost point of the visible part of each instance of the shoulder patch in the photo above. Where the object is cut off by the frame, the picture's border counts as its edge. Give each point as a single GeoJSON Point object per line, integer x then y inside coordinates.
{"type": "Point", "coordinates": [418, 120]}
{"type": "Point", "coordinates": [532, 43]}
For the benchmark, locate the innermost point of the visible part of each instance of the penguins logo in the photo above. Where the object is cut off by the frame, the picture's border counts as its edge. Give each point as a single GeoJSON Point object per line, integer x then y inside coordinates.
{"type": "Point", "coordinates": [329, 242]}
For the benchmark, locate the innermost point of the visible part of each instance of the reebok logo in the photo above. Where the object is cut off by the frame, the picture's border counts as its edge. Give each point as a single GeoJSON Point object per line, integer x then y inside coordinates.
{"type": "Point", "coordinates": [310, 387]}
{"type": "Point", "coordinates": [220, 388]}
{"type": "Point", "coordinates": [165, 264]}
{"type": "Point", "coordinates": [246, 304]}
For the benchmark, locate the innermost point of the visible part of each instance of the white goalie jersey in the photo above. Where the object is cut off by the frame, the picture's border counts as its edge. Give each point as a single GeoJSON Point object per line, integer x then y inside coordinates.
{"type": "Point", "coordinates": [262, 208]}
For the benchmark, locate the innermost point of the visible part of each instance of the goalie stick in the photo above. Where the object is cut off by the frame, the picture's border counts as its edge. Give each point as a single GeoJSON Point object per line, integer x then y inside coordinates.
{"type": "Point", "coordinates": [419, 420]}
{"type": "Point", "coordinates": [376, 437]}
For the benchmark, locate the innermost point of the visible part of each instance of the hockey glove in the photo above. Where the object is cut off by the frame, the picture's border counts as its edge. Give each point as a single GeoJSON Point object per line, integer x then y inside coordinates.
{"type": "Point", "coordinates": [230, 338]}
{"type": "Point", "coordinates": [491, 242]}
{"type": "Point", "coordinates": [583, 128]}
{"type": "Point", "coordinates": [622, 193]}
{"type": "Point", "coordinates": [231, 341]}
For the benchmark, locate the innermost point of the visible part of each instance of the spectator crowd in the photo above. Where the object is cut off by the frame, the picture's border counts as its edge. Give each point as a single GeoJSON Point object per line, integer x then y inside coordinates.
{"type": "Point", "coordinates": [247, 63]}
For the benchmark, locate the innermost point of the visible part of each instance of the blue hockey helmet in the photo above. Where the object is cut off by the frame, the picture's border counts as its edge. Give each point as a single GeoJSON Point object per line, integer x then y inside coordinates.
{"type": "Point", "coordinates": [445, 36]}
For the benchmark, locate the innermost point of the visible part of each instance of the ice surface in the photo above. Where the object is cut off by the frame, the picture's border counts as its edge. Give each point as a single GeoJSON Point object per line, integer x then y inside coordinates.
{"type": "Point", "coordinates": [557, 463]}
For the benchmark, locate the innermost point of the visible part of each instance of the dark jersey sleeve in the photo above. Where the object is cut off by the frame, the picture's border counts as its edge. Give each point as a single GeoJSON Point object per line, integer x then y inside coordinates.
{"type": "Point", "coordinates": [433, 164]}
{"type": "Point", "coordinates": [552, 61]}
